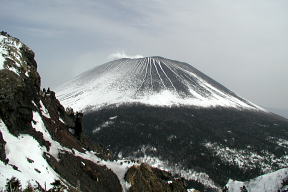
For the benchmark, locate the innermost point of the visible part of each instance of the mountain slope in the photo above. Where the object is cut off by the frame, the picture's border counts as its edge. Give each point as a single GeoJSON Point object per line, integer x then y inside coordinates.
{"type": "Point", "coordinates": [169, 114]}
{"type": "Point", "coordinates": [150, 80]}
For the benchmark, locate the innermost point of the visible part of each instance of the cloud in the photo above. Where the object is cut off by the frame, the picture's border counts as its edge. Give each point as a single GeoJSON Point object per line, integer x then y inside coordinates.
{"type": "Point", "coordinates": [122, 54]}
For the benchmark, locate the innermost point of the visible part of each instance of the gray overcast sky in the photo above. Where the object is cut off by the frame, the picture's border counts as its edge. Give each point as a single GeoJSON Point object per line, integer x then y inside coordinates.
{"type": "Point", "coordinates": [242, 44]}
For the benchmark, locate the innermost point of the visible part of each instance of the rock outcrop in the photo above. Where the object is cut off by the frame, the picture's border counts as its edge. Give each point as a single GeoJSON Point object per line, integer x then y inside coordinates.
{"type": "Point", "coordinates": [147, 178]}
{"type": "Point", "coordinates": [20, 84]}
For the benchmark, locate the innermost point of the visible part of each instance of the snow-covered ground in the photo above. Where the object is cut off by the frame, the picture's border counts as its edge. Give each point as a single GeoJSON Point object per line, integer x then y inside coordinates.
{"type": "Point", "coordinates": [26, 154]}
{"type": "Point", "coordinates": [150, 80]}
{"type": "Point", "coordinates": [271, 182]}
{"type": "Point", "coordinates": [246, 159]}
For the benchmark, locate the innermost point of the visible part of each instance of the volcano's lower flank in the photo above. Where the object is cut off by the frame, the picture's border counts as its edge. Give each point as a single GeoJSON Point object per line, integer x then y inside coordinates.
{"type": "Point", "coordinates": [222, 143]}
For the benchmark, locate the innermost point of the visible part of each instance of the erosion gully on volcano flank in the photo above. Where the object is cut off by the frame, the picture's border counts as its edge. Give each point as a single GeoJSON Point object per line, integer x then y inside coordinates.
{"type": "Point", "coordinates": [171, 115]}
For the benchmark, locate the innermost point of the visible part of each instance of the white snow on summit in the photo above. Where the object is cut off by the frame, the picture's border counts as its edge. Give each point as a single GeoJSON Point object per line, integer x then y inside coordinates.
{"type": "Point", "coordinates": [150, 80]}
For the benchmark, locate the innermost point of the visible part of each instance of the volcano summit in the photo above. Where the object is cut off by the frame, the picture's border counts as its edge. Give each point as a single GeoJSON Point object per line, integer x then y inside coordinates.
{"type": "Point", "coordinates": [150, 80]}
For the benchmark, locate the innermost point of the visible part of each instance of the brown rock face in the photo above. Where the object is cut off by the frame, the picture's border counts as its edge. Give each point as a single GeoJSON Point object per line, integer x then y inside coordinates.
{"type": "Point", "coordinates": [20, 84]}
{"type": "Point", "coordinates": [145, 178]}
{"type": "Point", "coordinates": [87, 175]}
{"type": "Point", "coordinates": [2, 149]}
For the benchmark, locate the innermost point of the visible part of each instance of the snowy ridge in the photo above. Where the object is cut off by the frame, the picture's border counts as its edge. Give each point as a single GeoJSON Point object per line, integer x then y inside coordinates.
{"type": "Point", "coordinates": [11, 57]}
{"type": "Point", "coordinates": [150, 80]}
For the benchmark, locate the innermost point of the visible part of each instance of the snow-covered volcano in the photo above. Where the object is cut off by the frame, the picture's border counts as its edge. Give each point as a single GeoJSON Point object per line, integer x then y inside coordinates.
{"type": "Point", "coordinates": [150, 80]}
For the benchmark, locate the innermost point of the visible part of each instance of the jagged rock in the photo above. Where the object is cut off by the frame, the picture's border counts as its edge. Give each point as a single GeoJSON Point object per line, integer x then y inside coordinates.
{"type": "Point", "coordinates": [2, 149]}
{"type": "Point", "coordinates": [15, 103]}
{"type": "Point", "coordinates": [90, 176]}
{"type": "Point", "coordinates": [58, 112]}
{"type": "Point", "coordinates": [61, 121]}
{"type": "Point", "coordinates": [146, 178]}
{"type": "Point", "coordinates": [20, 84]}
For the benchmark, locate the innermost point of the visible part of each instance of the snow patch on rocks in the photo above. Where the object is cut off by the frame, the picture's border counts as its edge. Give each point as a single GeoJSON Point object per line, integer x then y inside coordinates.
{"type": "Point", "coordinates": [10, 50]}
{"type": "Point", "coordinates": [18, 150]}
{"type": "Point", "coordinates": [266, 183]}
